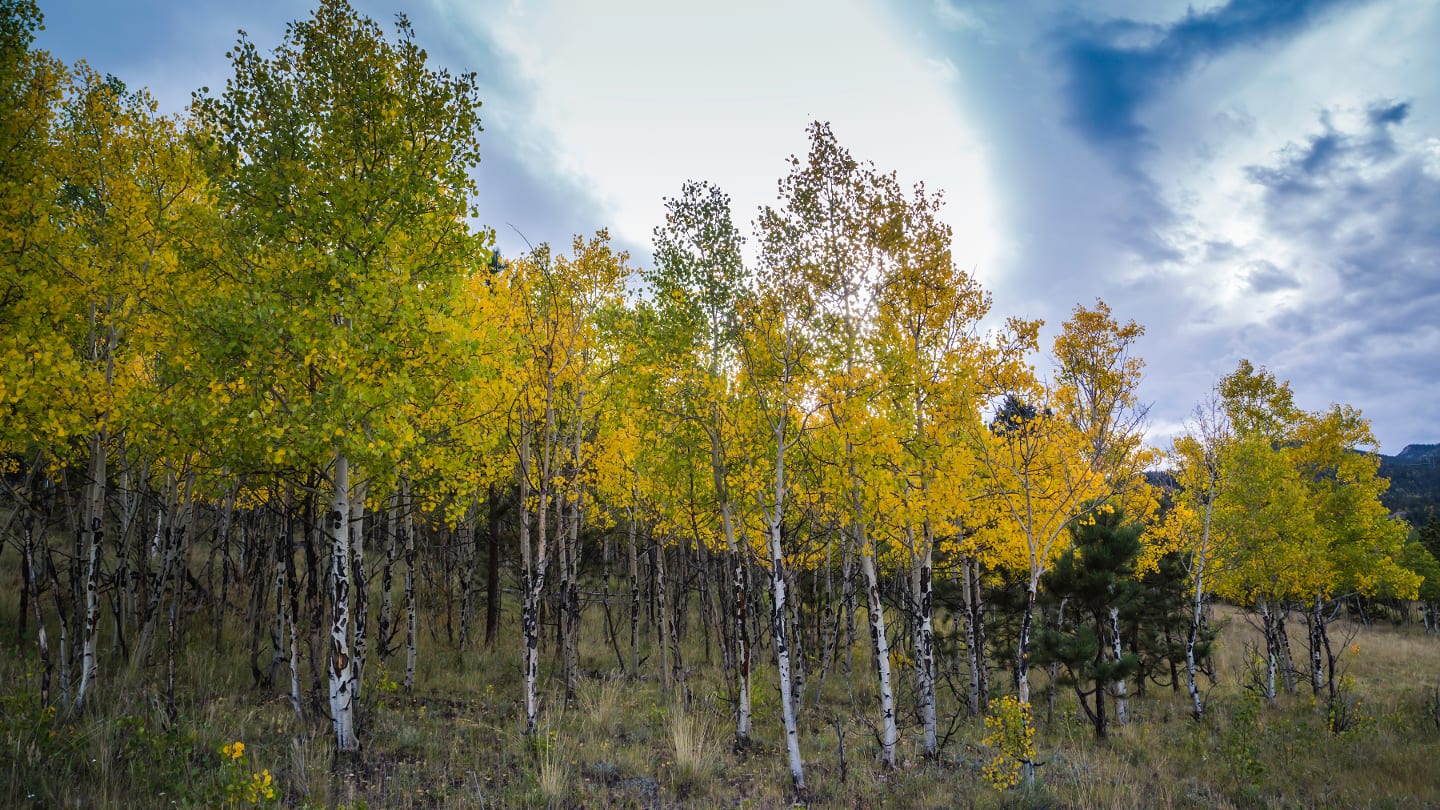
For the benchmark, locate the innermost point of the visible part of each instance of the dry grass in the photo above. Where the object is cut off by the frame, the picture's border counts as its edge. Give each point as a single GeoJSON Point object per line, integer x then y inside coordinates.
{"type": "Point", "coordinates": [459, 740]}
{"type": "Point", "coordinates": [552, 777]}
{"type": "Point", "coordinates": [696, 754]}
{"type": "Point", "coordinates": [600, 703]}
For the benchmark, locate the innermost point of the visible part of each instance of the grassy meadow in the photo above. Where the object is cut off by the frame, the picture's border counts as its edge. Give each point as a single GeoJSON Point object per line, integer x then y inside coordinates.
{"type": "Point", "coordinates": [459, 740]}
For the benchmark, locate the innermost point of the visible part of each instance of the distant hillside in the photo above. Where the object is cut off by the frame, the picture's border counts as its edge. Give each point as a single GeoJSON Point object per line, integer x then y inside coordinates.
{"type": "Point", "coordinates": [1414, 482]}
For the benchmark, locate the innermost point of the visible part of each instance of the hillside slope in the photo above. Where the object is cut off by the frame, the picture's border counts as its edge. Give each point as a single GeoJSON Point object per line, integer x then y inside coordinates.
{"type": "Point", "coordinates": [1414, 475]}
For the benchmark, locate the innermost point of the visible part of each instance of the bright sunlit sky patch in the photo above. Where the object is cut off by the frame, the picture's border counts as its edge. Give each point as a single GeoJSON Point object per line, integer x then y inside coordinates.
{"type": "Point", "coordinates": [1247, 178]}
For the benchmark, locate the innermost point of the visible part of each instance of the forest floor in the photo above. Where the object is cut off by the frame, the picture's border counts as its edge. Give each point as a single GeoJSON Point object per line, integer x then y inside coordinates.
{"type": "Point", "coordinates": [459, 741]}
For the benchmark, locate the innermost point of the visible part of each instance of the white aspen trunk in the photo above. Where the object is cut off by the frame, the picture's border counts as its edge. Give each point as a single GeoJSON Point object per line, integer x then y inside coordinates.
{"type": "Point", "coordinates": [1324, 633]}
{"type": "Point", "coordinates": [570, 533]}
{"type": "Point", "coordinates": [742, 637]}
{"type": "Point", "coordinates": [292, 618]}
{"type": "Point", "coordinates": [533, 575]}
{"type": "Point", "coordinates": [922, 579]}
{"type": "Point", "coordinates": [342, 680]}
{"type": "Point", "coordinates": [1122, 712]}
{"type": "Point", "coordinates": [41, 641]}
{"type": "Point", "coordinates": [467, 559]}
{"type": "Point", "coordinates": [64, 649]}
{"type": "Point", "coordinates": [173, 528]}
{"type": "Point", "coordinates": [972, 647]}
{"type": "Point", "coordinates": [387, 578]}
{"type": "Point", "coordinates": [782, 658]}
{"type": "Point", "coordinates": [362, 598]}
{"type": "Point", "coordinates": [1022, 664]}
{"type": "Point", "coordinates": [742, 654]}
{"type": "Point", "coordinates": [277, 628]}
{"type": "Point", "coordinates": [407, 529]}
{"type": "Point", "coordinates": [1022, 650]}
{"type": "Point", "coordinates": [634, 597]}
{"type": "Point", "coordinates": [777, 614]}
{"type": "Point", "coordinates": [879, 642]}
{"type": "Point", "coordinates": [1198, 605]}
{"type": "Point", "coordinates": [222, 537]}
{"type": "Point", "coordinates": [662, 613]}
{"type": "Point", "coordinates": [130, 552]}
{"type": "Point", "coordinates": [288, 592]}
{"type": "Point", "coordinates": [982, 662]}
{"type": "Point", "coordinates": [92, 525]}
{"type": "Point", "coordinates": [562, 571]}
{"type": "Point", "coordinates": [881, 646]}
{"type": "Point", "coordinates": [93, 516]}
{"type": "Point", "coordinates": [1271, 662]}
{"type": "Point", "coordinates": [1282, 649]}
{"type": "Point", "coordinates": [924, 640]}
{"type": "Point", "coordinates": [1317, 647]}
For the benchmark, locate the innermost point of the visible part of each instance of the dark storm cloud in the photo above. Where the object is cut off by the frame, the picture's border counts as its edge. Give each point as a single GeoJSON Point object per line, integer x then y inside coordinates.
{"type": "Point", "coordinates": [1317, 165]}
{"type": "Point", "coordinates": [1360, 206]}
{"type": "Point", "coordinates": [522, 195]}
{"type": "Point", "coordinates": [1265, 277]}
{"type": "Point", "coordinates": [520, 190]}
{"type": "Point", "coordinates": [1334, 263]}
{"type": "Point", "coordinates": [1389, 113]}
{"type": "Point", "coordinates": [1221, 250]}
{"type": "Point", "coordinates": [1112, 67]}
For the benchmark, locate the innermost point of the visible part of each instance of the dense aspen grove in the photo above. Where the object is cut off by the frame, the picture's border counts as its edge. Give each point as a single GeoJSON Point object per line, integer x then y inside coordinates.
{"type": "Point", "coordinates": [259, 368]}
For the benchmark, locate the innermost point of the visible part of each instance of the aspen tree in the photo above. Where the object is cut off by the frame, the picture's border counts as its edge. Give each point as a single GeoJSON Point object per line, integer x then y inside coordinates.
{"type": "Point", "coordinates": [699, 275]}
{"type": "Point", "coordinates": [130, 182]}
{"type": "Point", "coordinates": [1197, 462]}
{"type": "Point", "coordinates": [342, 161]}
{"type": "Point", "coordinates": [1301, 517]}
{"type": "Point", "coordinates": [777, 356]}
{"type": "Point", "coordinates": [836, 208]}
{"type": "Point", "coordinates": [1360, 543]}
{"type": "Point", "coordinates": [36, 306]}
{"type": "Point", "coordinates": [1262, 516]}
{"type": "Point", "coordinates": [1099, 376]}
{"type": "Point", "coordinates": [559, 297]}
{"type": "Point", "coordinates": [927, 345]}
{"type": "Point", "coordinates": [1056, 452]}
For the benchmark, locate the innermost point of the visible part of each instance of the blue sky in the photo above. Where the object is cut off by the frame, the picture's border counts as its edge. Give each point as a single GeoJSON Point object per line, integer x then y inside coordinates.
{"type": "Point", "coordinates": [1249, 179]}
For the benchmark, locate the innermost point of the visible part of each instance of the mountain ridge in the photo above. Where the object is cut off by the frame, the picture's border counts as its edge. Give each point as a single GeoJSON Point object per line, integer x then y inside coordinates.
{"type": "Point", "coordinates": [1414, 474]}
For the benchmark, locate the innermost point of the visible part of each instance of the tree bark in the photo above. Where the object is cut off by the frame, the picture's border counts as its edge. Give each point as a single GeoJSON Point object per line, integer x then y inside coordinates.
{"type": "Point", "coordinates": [922, 596]}
{"type": "Point", "coordinates": [492, 569]}
{"type": "Point", "coordinates": [1022, 646]}
{"type": "Point", "coordinates": [879, 642]}
{"type": "Point", "coordinates": [1197, 613]}
{"type": "Point", "coordinates": [412, 630]}
{"type": "Point", "coordinates": [662, 612]}
{"type": "Point", "coordinates": [386, 629]}
{"type": "Point", "coordinates": [974, 645]}
{"type": "Point", "coordinates": [1122, 711]}
{"type": "Point", "coordinates": [342, 676]}
{"type": "Point", "coordinates": [42, 643]}
{"type": "Point", "coordinates": [467, 558]}
{"type": "Point", "coordinates": [782, 656]}
{"type": "Point", "coordinates": [634, 553]}
{"type": "Point", "coordinates": [777, 610]}
{"type": "Point", "coordinates": [1267, 619]}
{"type": "Point", "coordinates": [741, 630]}
{"type": "Point", "coordinates": [93, 522]}
{"type": "Point", "coordinates": [361, 586]}
{"type": "Point", "coordinates": [292, 608]}
{"type": "Point", "coordinates": [534, 556]}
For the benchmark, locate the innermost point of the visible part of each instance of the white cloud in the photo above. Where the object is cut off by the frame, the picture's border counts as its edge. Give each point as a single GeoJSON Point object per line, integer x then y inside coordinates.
{"type": "Point", "coordinates": [641, 95]}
